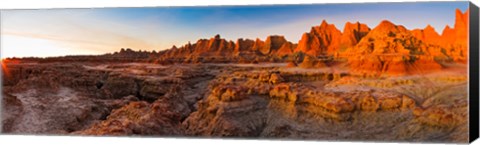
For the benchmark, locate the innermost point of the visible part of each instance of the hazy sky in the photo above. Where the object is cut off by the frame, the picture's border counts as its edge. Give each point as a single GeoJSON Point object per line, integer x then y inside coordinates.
{"type": "Point", "coordinates": [58, 32]}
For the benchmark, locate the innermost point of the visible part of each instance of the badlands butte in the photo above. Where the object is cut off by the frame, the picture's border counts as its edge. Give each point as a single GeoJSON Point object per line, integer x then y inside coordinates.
{"type": "Point", "coordinates": [385, 83]}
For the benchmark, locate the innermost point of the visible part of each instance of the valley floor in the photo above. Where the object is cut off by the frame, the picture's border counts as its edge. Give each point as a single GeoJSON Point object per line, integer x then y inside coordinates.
{"type": "Point", "coordinates": [266, 101]}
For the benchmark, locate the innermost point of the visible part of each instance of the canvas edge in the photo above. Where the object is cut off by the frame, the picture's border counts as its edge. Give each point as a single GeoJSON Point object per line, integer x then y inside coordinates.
{"type": "Point", "coordinates": [473, 72]}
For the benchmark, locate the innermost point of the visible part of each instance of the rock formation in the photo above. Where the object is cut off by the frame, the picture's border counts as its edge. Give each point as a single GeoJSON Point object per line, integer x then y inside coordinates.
{"type": "Point", "coordinates": [389, 49]}
{"type": "Point", "coordinates": [272, 44]}
{"type": "Point", "coordinates": [217, 49]}
{"type": "Point", "coordinates": [161, 117]}
{"type": "Point", "coordinates": [459, 49]}
{"type": "Point", "coordinates": [285, 50]}
{"type": "Point", "coordinates": [352, 34]}
{"type": "Point", "coordinates": [322, 40]}
{"type": "Point", "coordinates": [244, 47]}
{"type": "Point", "coordinates": [326, 40]}
{"type": "Point", "coordinates": [312, 62]}
{"type": "Point", "coordinates": [452, 43]}
{"type": "Point", "coordinates": [427, 35]}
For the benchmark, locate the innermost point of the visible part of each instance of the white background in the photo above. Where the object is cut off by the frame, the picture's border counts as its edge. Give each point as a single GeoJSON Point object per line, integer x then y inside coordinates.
{"type": "Point", "coordinates": [66, 140]}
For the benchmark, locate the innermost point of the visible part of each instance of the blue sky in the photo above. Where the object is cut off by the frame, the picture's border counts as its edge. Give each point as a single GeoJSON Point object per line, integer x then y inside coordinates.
{"type": "Point", "coordinates": [96, 31]}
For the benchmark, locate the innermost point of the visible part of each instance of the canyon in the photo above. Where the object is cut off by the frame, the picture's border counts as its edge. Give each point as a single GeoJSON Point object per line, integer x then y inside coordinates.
{"type": "Point", "coordinates": [385, 83]}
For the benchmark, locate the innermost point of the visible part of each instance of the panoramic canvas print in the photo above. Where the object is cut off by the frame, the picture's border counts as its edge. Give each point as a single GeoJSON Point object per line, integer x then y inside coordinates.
{"type": "Point", "coordinates": [355, 72]}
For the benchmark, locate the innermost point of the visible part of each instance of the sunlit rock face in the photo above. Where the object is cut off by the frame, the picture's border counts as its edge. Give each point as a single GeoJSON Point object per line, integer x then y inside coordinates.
{"type": "Point", "coordinates": [392, 50]}
{"type": "Point", "coordinates": [352, 34]}
{"type": "Point", "coordinates": [452, 42]}
{"type": "Point", "coordinates": [323, 39]}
